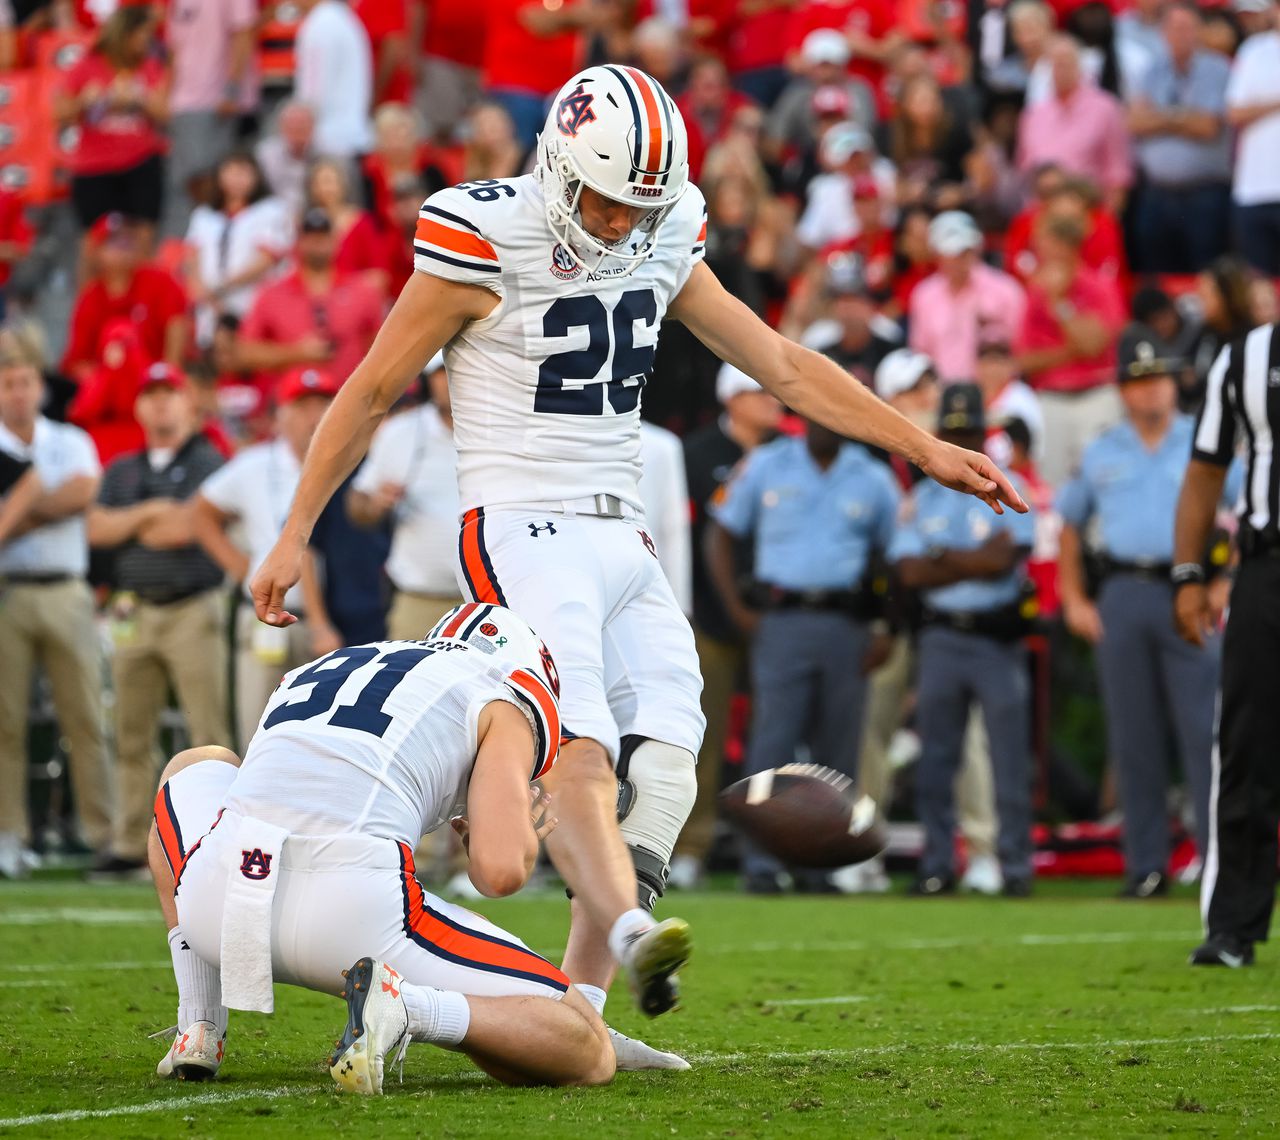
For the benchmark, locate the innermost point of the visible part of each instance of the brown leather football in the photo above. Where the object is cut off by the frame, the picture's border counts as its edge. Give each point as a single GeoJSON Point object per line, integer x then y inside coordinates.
{"type": "Point", "coordinates": [806, 815]}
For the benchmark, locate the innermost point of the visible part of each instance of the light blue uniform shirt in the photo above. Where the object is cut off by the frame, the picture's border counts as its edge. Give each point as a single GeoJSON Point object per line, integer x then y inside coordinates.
{"type": "Point", "coordinates": [1134, 491]}
{"type": "Point", "coordinates": [941, 519]}
{"type": "Point", "coordinates": [813, 529]}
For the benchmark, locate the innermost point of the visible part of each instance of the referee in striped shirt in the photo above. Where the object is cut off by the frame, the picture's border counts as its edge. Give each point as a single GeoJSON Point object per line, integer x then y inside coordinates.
{"type": "Point", "coordinates": [1242, 406]}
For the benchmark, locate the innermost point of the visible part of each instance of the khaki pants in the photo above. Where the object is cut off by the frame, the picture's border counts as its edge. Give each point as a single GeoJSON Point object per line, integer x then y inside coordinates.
{"type": "Point", "coordinates": [1070, 423]}
{"type": "Point", "coordinates": [183, 645]}
{"type": "Point", "coordinates": [257, 679]}
{"type": "Point", "coordinates": [413, 615]}
{"type": "Point", "coordinates": [975, 795]}
{"type": "Point", "coordinates": [53, 626]}
{"type": "Point", "coordinates": [722, 663]}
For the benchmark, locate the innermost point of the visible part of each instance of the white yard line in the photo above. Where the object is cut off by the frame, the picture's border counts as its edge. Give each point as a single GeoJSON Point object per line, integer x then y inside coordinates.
{"type": "Point", "coordinates": [1239, 1009]}
{"type": "Point", "coordinates": [81, 916]}
{"type": "Point", "coordinates": [977, 1047]}
{"type": "Point", "coordinates": [165, 1105]}
{"type": "Point", "coordinates": [28, 984]}
{"type": "Point", "coordinates": [840, 999]}
{"type": "Point", "coordinates": [61, 968]}
{"type": "Point", "coordinates": [1101, 938]}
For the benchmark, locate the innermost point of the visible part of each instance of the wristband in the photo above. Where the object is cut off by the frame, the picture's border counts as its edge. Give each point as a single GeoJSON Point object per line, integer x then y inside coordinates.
{"type": "Point", "coordinates": [1187, 574]}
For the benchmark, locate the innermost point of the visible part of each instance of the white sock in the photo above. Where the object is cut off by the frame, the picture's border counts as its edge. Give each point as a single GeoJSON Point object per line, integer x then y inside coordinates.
{"type": "Point", "coordinates": [199, 986]}
{"type": "Point", "coordinates": [440, 1017]}
{"type": "Point", "coordinates": [594, 994]}
{"type": "Point", "coordinates": [630, 924]}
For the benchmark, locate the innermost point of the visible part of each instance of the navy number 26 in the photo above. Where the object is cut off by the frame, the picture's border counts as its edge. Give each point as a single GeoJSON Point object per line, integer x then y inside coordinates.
{"type": "Point", "coordinates": [567, 382]}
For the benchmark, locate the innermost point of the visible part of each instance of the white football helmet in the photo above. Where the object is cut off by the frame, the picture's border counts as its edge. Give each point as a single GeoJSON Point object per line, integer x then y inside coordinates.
{"type": "Point", "coordinates": [615, 129]}
{"type": "Point", "coordinates": [499, 633]}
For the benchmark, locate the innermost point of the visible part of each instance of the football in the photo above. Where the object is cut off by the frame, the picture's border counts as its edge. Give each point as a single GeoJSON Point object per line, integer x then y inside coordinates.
{"type": "Point", "coordinates": [806, 815]}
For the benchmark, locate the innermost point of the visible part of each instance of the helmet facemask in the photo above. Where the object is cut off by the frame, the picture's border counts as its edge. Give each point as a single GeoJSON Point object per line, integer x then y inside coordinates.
{"type": "Point", "coordinates": [562, 186]}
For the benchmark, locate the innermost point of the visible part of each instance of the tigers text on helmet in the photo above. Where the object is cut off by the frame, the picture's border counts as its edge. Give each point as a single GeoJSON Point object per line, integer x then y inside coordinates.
{"type": "Point", "coordinates": [501, 634]}
{"type": "Point", "coordinates": [614, 129]}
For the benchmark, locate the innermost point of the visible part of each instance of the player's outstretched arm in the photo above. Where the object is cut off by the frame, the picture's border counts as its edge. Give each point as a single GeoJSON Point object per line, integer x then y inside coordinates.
{"type": "Point", "coordinates": [821, 390]}
{"type": "Point", "coordinates": [427, 315]}
{"type": "Point", "coordinates": [502, 842]}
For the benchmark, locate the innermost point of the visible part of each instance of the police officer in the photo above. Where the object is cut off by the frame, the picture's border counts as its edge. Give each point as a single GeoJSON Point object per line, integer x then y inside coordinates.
{"type": "Point", "coordinates": [818, 508]}
{"type": "Point", "coordinates": [968, 564]}
{"type": "Point", "coordinates": [1156, 688]}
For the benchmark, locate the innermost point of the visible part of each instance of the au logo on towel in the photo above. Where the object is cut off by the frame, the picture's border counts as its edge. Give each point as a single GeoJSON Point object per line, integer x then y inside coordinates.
{"type": "Point", "coordinates": [254, 864]}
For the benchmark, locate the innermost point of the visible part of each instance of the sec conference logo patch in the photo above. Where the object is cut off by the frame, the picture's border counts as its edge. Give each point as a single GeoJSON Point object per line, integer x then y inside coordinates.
{"type": "Point", "coordinates": [562, 264]}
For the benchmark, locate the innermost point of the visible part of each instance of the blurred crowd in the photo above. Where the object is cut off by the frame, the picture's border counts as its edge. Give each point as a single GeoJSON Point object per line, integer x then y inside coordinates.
{"type": "Point", "coordinates": [1030, 226]}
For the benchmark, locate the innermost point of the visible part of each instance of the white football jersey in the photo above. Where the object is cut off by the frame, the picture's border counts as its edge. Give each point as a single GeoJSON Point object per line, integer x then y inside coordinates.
{"type": "Point", "coordinates": [546, 389]}
{"type": "Point", "coordinates": [380, 739]}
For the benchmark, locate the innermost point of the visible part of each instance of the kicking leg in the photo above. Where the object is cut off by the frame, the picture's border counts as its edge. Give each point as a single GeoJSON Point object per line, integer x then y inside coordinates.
{"type": "Point", "coordinates": [186, 807]}
{"type": "Point", "coordinates": [519, 1039]}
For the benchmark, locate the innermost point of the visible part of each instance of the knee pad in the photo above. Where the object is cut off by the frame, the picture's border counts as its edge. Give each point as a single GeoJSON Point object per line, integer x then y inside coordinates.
{"type": "Point", "coordinates": [656, 789]}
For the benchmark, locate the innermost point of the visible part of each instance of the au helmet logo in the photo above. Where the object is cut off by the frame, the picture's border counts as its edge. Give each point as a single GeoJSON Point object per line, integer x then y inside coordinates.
{"type": "Point", "coordinates": [574, 112]}
{"type": "Point", "coordinates": [563, 265]}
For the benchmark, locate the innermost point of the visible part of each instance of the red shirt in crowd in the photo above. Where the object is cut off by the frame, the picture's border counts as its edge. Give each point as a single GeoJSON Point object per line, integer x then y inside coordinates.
{"type": "Point", "coordinates": [514, 58]}
{"type": "Point", "coordinates": [758, 39]}
{"type": "Point", "coordinates": [451, 31]}
{"type": "Point", "coordinates": [362, 247]}
{"type": "Point", "coordinates": [153, 300]}
{"type": "Point", "coordinates": [103, 405]}
{"type": "Point", "coordinates": [1090, 294]}
{"type": "Point", "coordinates": [1103, 249]}
{"type": "Point", "coordinates": [383, 19]}
{"type": "Point", "coordinates": [349, 316]}
{"type": "Point", "coordinates": [15, 228]}
{"type": "Point", "coordinates": [702, 138]}
{"type": "Point", "coordinates": [111, 140]}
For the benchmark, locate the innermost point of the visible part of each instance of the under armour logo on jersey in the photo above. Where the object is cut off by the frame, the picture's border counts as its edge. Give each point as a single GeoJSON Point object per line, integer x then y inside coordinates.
{"type": "Point", "coordinates": [535, 529]}
{"type": "Point", "coordinates": [648, 542]}
{"type": "Point", "coordinates": [254, 864]}
{"type": "Point", "coordinates": [575, 111]}
{"type": "Point", "coordinates": [1273, 378]}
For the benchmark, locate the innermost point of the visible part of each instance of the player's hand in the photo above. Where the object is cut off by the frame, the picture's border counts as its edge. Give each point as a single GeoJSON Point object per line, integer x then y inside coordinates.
{"type": "Point", "coordinates": [544, 823]}
{"type": "Point", "coordinates": [973, 473]}
{"type": "Point", "coordinates": [1192, 613]}
{"type": "Point", "coordinates": [277, 574]}
{"type": "Point", "coordinates": [745, 618]}
{"type": "Point", "coordinates": [1083, 620]}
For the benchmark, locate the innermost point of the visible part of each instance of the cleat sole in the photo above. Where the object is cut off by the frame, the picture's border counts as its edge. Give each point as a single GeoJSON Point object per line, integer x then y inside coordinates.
{"type": "Point", "coordinates": [349, 1064]}
{"type": "Point", "coordinates": [666, 952]}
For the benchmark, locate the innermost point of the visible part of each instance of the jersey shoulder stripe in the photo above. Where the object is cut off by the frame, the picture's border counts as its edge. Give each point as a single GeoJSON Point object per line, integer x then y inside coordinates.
{"type": "Point", "coordinates": [541, 705]}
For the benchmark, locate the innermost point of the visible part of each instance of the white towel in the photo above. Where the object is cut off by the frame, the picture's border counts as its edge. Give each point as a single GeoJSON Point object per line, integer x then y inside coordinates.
{"type": "Point", "coordinates": [246, 916]}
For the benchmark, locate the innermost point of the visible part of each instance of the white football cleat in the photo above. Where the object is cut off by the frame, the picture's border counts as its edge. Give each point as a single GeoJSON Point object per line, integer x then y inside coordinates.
{"type": "Point", "coordinates": [377, 1022]}
{"type": "Point", "coordinates": [983, 876]}
{"type": "Point", "coordinates": [652, 962]}
{"type": "Point", "coordinates": [635, 1056]}
{"type": "Point", "coordinates": [195, 1055]}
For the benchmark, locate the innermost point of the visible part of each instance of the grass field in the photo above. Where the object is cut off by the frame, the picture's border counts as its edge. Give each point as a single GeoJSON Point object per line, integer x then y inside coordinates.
{"type": "Point", "coordinates": [1069, 1014]}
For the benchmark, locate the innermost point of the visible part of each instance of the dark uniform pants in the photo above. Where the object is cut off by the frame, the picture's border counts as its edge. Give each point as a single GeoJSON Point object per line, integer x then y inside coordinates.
{"type": "Point", "coordinates": [1239, 886]}
{"type": "Point", "coordinates": [1159, 691]}
{"type": "Point", "coordinates": [807, 685]}
{"type": "Point", "coordinates": [957, 669]}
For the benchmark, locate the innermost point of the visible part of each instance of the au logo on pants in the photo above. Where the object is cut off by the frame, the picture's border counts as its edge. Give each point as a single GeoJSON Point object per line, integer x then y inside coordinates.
{"type": "Point", "coordinates": [254, 864]}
